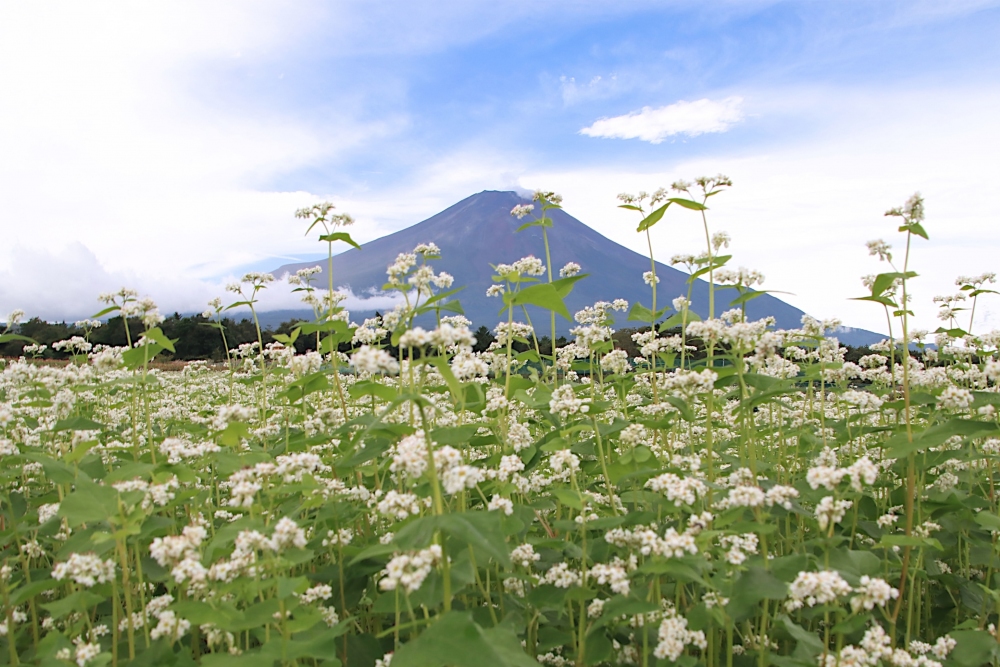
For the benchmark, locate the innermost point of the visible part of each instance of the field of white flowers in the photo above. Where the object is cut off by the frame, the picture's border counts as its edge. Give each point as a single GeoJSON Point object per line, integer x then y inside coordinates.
{"type": "Point", "coordinates": [737, 495]}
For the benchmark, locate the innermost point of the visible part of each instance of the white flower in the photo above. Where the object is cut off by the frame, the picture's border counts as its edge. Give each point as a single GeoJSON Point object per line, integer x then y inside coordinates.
{"type": "Point", "coordinates": [408, 571]}
{"type": "Point", "coordinates": [367, 359]}
{"type": "Point", "coordinates": [673, 635]}
{"type": "Point", "coordinates": [522, 210]}
{"type": "Point", "coordinates": [954, 398]}
{"type": "Point", "coordinates": [831, 511]}
{"type": "Point", "coordinates": [680, 491]}
{"type": "Point", "coordinates": [498, 503]}
{"type": "Point", "coordinates": [561, 575]}
{"type": "Point", "coordinates": [316, 593]}
{"type": "Point", "coordinates": [85, 569]}
{"type": "Point", "coordinates": [287, 534]}
{"type": "Point", "coordinates": [871, 593]}
{"type": "Point", "coordinates": [524, 555]}
{"type": "Point", "coordinates": [170, 626]}
{"type": "Point", "coordinates": [571, 269]}
{"type": "Point", "coordinates": [565, 403]}
{"type": "Point", "coordinates": [399, 505]}
{"type": "Point", "coordinates": [813, 588]}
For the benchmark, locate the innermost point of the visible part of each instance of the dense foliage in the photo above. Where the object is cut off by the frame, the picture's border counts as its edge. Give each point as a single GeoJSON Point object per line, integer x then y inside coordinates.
{"type": "Point", "coordinates": [724, 494]}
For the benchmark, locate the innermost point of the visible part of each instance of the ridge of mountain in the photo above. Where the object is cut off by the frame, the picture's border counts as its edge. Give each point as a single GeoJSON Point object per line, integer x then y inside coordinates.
{"type": "Point", "coordinates": [479, 231]}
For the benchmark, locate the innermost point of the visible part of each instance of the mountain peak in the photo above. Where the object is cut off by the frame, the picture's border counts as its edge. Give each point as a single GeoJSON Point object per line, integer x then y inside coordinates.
{"type": "Point", "coordinates": [478, 231]}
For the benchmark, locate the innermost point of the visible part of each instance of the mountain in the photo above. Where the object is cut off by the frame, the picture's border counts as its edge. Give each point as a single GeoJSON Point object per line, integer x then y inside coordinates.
{"type": "Point", "coordinates": [479, 231]}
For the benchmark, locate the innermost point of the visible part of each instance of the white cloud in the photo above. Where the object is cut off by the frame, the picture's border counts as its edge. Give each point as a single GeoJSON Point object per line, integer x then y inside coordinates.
{"type": "Point", "coordinates": [654, 125]}
{"type": "Point", "coordinates": [126, 130]}
{"type": "Point", "coordinates": [802, 209]}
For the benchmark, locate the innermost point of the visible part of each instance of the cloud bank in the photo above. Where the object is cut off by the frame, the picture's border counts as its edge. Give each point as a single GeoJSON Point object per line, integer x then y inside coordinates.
{"type": "Point", "coordinates": [654, 125]}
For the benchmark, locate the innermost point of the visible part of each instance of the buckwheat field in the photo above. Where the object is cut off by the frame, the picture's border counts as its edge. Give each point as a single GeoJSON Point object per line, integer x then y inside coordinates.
{"type": "Point", "coordinates": [735, 495]}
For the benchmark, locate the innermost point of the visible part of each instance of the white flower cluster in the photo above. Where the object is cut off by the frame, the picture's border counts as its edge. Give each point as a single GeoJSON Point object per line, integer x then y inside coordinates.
{"type": "Point", "coordinates": [526, 266]}
{"type": "Point", "coordinates": [172, 549]}
{"type": "Point", "coordinates": [678, 490]}
{"type": "Point", "coordinates": [444, 336]}
{"type": "Point", "coordinates": [872, 592]}
{"type": "Point", "coordinates": [565, 403]}
{"type": "Point", "coordinates": [955, 399]}
{"type": "Point", "coordinates": [614, 574]}
{"type": "Point", "coordinates": [863, 471]}
{"type": "Point", "coordinates": [673, 635]}
{"type": "Point", "coordinates": [399, 505]}
{"type": "Point", "coordinates": [738, 547]}
{"type": "Point", "coordinates": [813, 588]}
{"type": "Point", "coordinates": [371, 360]}
{"type": "Point", "coordinates": [316, 593]}
{"type": "Point", "coordinates": [85, 569]}
{"type": "Point", "coordinates": [408, 571]}
{"type": "Point", "coordinates": [875, 647]}
{"type": "Point", "coordinates": [561, 575]}
{"type": "Point", "coordinates": [524, 555]}
{"type": "Point", "coordinates": [178, 449]}
{"type": "Point", "coordinates": [501, 503]}
{"type": "Point", "coordinates": [341, 537]}
{"type": "Point", "coordinates": [830, 511]}
{"type": "Point", "coordinates": [648, 542]}
{"type": "Point", "coordinates": [616, 362]}
{"type": "Point", "coordinates": [689, 383]}
{"type": "Point", "coordinates": [746, 495]}
{"type": "Point", "coordinates": [170, 626]}
{"type": "Point", "coordinates": [409, 455]}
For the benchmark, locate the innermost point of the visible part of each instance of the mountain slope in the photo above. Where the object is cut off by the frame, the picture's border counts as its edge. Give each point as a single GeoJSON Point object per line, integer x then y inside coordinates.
{"type": "Point", "coordinates": [479, 231]}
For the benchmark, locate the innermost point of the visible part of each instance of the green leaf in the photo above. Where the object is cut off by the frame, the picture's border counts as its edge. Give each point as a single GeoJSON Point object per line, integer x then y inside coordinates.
{"type": "Point", "coordinates": [909, 541]}
{"type": "Point", "coordinates": [807, 644]}
{"type": "Point", "coordinates": [233, 434]}
{"type": "Point", "coordinates": [569, 497]}
{"type": "Point", "coordinates": [28, 591]}
{"type": "Point", "coordinates": [988, 520]}
{"type": "Point", "coordinates": [483, 530]}
{"type": "Point", "coordinates": [109, 309]}
{"type": "Point", "coordinates": [543, 295]}
{"type": "Point", "coordinates": [640, 313]}
{"type": "Point", "coordinates": [900, 446]}
{"type": "Point", "coordinates": [454, 435]}
{"type": "Point", "coordinates": [918, 229]}
{"type": "Point", "coordinates": [884, 300]}
{"type": "Point", "coordinates": [884, 281]}
{"type": "Point", "coordinates": [752, 586]}
{"type": "Point", "coordinates": [565, 285]}
{"type": "Point", "coordinates": [652, 218]}
{"type": "Point", "coordinates": [56, 471]}
{"type": "Point", "coordinates": [88, 503]}
{"type": "Point", "coordinates": [7, 337]}
{"type": "Point", "coordinates": [619, 606]}
{"type": "Point", "coordinates": [687, 203]}
{"type": "Point", "coordinates": [80, 601]}
{"type": "Point", "coordinates": [370, 388]}
{"type": "Point", "coordinates": [138, 356]}
{"type": "Point", "coordinates": [974, 647]}
{"type": "Point", "coordinates": [78, 423]}
{"type": "Point", "coordinates": [339, 236]}
{"type": "Point", "coordinates": [454, 386]}
{"type": "Point", "coordinates": [156, 335]}
{"type": "Point", "coordinates": [455, 640]}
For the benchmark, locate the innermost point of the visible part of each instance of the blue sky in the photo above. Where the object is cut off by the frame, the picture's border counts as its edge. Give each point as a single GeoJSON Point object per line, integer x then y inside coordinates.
{"type": "Point", "coordinates": [167, 145]}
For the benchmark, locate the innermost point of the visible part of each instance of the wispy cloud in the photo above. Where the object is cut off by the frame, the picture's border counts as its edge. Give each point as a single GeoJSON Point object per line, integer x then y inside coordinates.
{"type": "Point", "coordinates": [654, 125]}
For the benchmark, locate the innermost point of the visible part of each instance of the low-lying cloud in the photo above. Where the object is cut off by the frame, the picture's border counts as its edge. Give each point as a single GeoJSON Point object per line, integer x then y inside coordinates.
{"type": "Point", "coordinates": [687, 118]}
{"type": "Point", "coordinates": [64, 284]}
